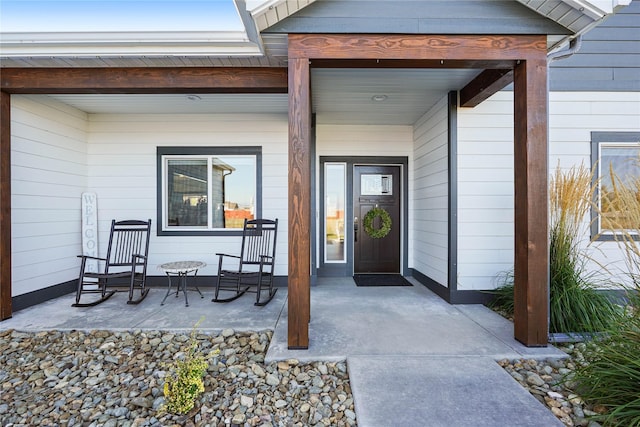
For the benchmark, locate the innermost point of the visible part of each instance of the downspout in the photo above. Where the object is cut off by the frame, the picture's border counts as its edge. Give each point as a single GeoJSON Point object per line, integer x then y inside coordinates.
{"type": "Point", "coordinates": [574, 46]}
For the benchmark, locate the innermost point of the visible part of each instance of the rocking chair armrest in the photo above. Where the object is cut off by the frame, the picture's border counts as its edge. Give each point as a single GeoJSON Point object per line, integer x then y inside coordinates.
{"type": "Point", "coordinates": [265, 258]}
{"type": "Point", "coordinates": [227, 255]}
{"type": "Point", "coordinates": [92, 257]}
{"type": "Point", "coordinates": [140, 256]}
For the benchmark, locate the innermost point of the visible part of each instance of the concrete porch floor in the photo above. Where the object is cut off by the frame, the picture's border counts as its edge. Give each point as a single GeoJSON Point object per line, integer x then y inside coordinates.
{"type": "Point", "coordinates": [413, 359]}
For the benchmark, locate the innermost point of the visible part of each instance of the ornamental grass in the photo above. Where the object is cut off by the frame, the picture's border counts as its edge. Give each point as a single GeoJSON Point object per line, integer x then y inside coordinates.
{"type": "Point", "coordinates": [576, 305]}
{"type": "Point", "coordinates": [610, 376]}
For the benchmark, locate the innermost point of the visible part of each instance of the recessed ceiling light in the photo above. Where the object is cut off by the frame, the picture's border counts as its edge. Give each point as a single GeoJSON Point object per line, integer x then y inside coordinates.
{"type": "Point", "coordinates": [379, 98]}
{"type": "Point", "coordinates": [193, 98]}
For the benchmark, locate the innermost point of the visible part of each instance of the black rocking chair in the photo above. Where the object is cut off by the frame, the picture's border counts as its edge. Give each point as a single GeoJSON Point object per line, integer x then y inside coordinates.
{"type": "Point", "coordinates": [255, 263]}
{"type": "Point", "coordinates": [125, 265]}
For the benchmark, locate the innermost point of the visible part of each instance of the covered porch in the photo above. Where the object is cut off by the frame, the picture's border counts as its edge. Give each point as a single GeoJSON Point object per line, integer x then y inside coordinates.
{"type": "Point", "coordinates": [504, 58]}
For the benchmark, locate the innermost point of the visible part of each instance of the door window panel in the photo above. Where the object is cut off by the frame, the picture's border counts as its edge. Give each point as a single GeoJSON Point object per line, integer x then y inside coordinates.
{"type": "Point", "coordinates": [335, 193]}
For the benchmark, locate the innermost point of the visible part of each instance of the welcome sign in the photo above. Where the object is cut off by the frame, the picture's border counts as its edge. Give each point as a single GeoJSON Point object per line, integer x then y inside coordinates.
{"type": "Point", "coordinates": [90, 230]}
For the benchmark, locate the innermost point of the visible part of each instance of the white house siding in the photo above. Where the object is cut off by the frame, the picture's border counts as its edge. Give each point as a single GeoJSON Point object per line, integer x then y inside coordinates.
{"type": "Point", "coordinates": [485, 192]}
{"type": "Point", "coordinates": [122, 167]}
{"type": "Point", "coordinates": [573, 116]}
{"type": "Point", "coordinates": [48, 173]}
{"type": "Point", "coordinates": [365, 140]}
{"type": "Point", "coordinates": [485, 172]}
{"type": "Point", "coordinates": [429, 234]}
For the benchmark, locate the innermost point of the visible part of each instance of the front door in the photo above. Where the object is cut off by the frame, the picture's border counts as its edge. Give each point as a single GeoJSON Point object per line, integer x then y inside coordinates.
{"type": "Point", "coordinates": [376, 192]}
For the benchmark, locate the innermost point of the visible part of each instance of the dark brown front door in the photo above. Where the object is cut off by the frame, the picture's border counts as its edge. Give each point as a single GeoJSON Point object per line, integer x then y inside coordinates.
{"type": "Point", "coordinates": [376, 186]}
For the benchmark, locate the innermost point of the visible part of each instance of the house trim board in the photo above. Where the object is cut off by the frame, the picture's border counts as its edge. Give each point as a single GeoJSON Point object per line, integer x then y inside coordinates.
{"type": "Point", "coordinates": [452, 199]}
{"type": "Point", "coordinates": [596, 139]}
{"type": "Point", "coordinates": [5, 206]}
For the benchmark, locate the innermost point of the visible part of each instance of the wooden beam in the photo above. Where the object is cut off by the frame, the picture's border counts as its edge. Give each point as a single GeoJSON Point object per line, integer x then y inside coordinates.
{"type": "Point", "coordinates": [413, 63]}
{"type": "Point", "coordinates": [5, 206]}
{"type": "Point", "coordinates": [423, 47]}
{"type": "Point", "coordinates": [484, 85]}
{"type": "Point", "coordinates": [299, 203]}
{"type": "Point", "coordinates": [144, 80]}
{"type": "Point", "coordinates": [531, 268]}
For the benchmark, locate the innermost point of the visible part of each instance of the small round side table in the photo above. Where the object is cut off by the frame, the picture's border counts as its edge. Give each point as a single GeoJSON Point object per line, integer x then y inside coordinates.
{"type": "Point", "coordinates": [181, 269]}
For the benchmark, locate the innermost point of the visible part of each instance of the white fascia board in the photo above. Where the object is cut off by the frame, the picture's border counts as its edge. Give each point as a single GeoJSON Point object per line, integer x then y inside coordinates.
{"type": "Point", "coordinates": [228, 43]}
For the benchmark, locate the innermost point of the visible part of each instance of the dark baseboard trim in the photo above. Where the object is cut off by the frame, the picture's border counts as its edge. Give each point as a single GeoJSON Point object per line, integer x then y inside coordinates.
{"type": "Point", "coordinates": [451, 296]}
{"type": "Point", "coordinates": [470, 297]}
{"type": "Point", "coordinates": [29, 299]}
{"type": "Point", "coordinates": [431, 284]}
{"type": "Point", "coordinates": [20, 302]}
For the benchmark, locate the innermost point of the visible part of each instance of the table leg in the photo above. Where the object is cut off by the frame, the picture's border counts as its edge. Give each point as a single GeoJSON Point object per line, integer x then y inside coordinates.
{"type": "Point", "coordinates": [183, 282]}
{"type": "Point", "coordinates": [168, 290]}
{"type": "Point", "coordinates": [196, 286]}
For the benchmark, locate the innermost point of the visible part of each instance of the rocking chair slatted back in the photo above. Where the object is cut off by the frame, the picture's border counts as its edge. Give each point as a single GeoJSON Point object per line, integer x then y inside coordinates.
{"type": "Point", "coordinates": [128, 238]}
{"type": "Point", "coordinates": [259, 240]}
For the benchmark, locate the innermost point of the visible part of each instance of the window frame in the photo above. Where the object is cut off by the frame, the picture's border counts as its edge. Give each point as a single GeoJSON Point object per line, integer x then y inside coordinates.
{"type": "Point", "coordinates": [597, 140]}
{"type": "Point", "coordinates": [177, 151]}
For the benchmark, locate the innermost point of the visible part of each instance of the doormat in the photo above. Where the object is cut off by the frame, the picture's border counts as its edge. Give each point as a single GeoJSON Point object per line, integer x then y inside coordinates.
{"type": "Point", "coordinates": [380, 280]}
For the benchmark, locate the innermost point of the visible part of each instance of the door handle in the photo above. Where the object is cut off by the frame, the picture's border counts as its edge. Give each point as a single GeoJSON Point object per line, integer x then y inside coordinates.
{"type": "Point", "coordinates": [355, 229]}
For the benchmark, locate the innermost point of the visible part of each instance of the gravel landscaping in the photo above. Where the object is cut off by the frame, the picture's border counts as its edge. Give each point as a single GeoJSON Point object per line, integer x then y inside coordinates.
{"type": "Point", "coordinates": [106, 378]}
{"type": "Point", "coordinates": [549, 381]}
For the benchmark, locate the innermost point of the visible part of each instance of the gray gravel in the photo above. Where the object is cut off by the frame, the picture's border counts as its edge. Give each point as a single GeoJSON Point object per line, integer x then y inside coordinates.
{"type": "Point", "coordinates": [106, 378]}
{"type": "Point", "coordinates": [549, 381]}
{"type": "Point", "coordinates": [115, 378]}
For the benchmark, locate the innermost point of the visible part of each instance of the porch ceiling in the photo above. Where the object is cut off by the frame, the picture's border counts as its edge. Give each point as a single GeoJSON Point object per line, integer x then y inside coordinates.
{"type": "Point", "coordinates": [340, 96]}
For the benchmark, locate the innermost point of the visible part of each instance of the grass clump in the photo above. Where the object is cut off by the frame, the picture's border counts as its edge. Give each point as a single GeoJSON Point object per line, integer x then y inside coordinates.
{"type": "Point", "coordinates": [610, 375]}
{"type": "Point", "coordinates": [576, 306]}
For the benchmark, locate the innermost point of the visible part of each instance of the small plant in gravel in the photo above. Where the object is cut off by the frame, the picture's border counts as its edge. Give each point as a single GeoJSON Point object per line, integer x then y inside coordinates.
{"type": "Point", "coordinates": [185, 381]}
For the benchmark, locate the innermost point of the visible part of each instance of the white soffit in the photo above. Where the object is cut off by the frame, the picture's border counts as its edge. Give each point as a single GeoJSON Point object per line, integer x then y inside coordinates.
{"type": "Point", "coordinates": [111, 28]}
{"type": "Point", "coordinates": [270, 12]}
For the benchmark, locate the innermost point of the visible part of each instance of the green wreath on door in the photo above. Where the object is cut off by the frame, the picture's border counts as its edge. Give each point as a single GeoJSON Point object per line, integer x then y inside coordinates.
{"type": "Point", "coordinates": [385, 223]}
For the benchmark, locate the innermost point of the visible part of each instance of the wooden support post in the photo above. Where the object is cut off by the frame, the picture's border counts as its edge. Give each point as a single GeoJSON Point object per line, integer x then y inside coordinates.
{"type": "Point", "coordinates": [531, 270]}
{"type": "Point", "coordinates": [299, 202]}
{"type": "Point", "coordinates": [5, 206]}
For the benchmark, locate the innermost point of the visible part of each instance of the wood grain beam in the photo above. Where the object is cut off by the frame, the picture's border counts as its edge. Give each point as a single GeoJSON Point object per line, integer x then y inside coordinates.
{"type": "Point", "coordinates": [299, 203]}
{"type": "Point", "coordinates": [484, 85]}
{"type": "Point", "coordinates": [531, 269]}
{"type": "Point", "coordinates": [424, 47]}
{"type": "Point", "coordinates": [413, 63]}
{"type": "Point", "coordinates": [5, 206]}
{"type": "Point", "coordinates": [144, 80]}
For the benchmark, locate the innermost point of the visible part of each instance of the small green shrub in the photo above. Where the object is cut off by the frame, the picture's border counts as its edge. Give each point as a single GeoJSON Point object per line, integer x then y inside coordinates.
{"type": "Point", "coordinates": [611, 375]}
{"type": "Point", "coordinates": [185, 384]}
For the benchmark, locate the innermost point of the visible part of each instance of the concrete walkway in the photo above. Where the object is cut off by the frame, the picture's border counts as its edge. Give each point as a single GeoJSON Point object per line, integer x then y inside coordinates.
{"type": "Point", "coordinates": [413, 359]}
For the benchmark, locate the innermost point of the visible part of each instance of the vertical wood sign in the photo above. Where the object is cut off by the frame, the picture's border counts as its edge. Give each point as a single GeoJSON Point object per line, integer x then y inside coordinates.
{"type": "Point", "coordinates": [90, 230]}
